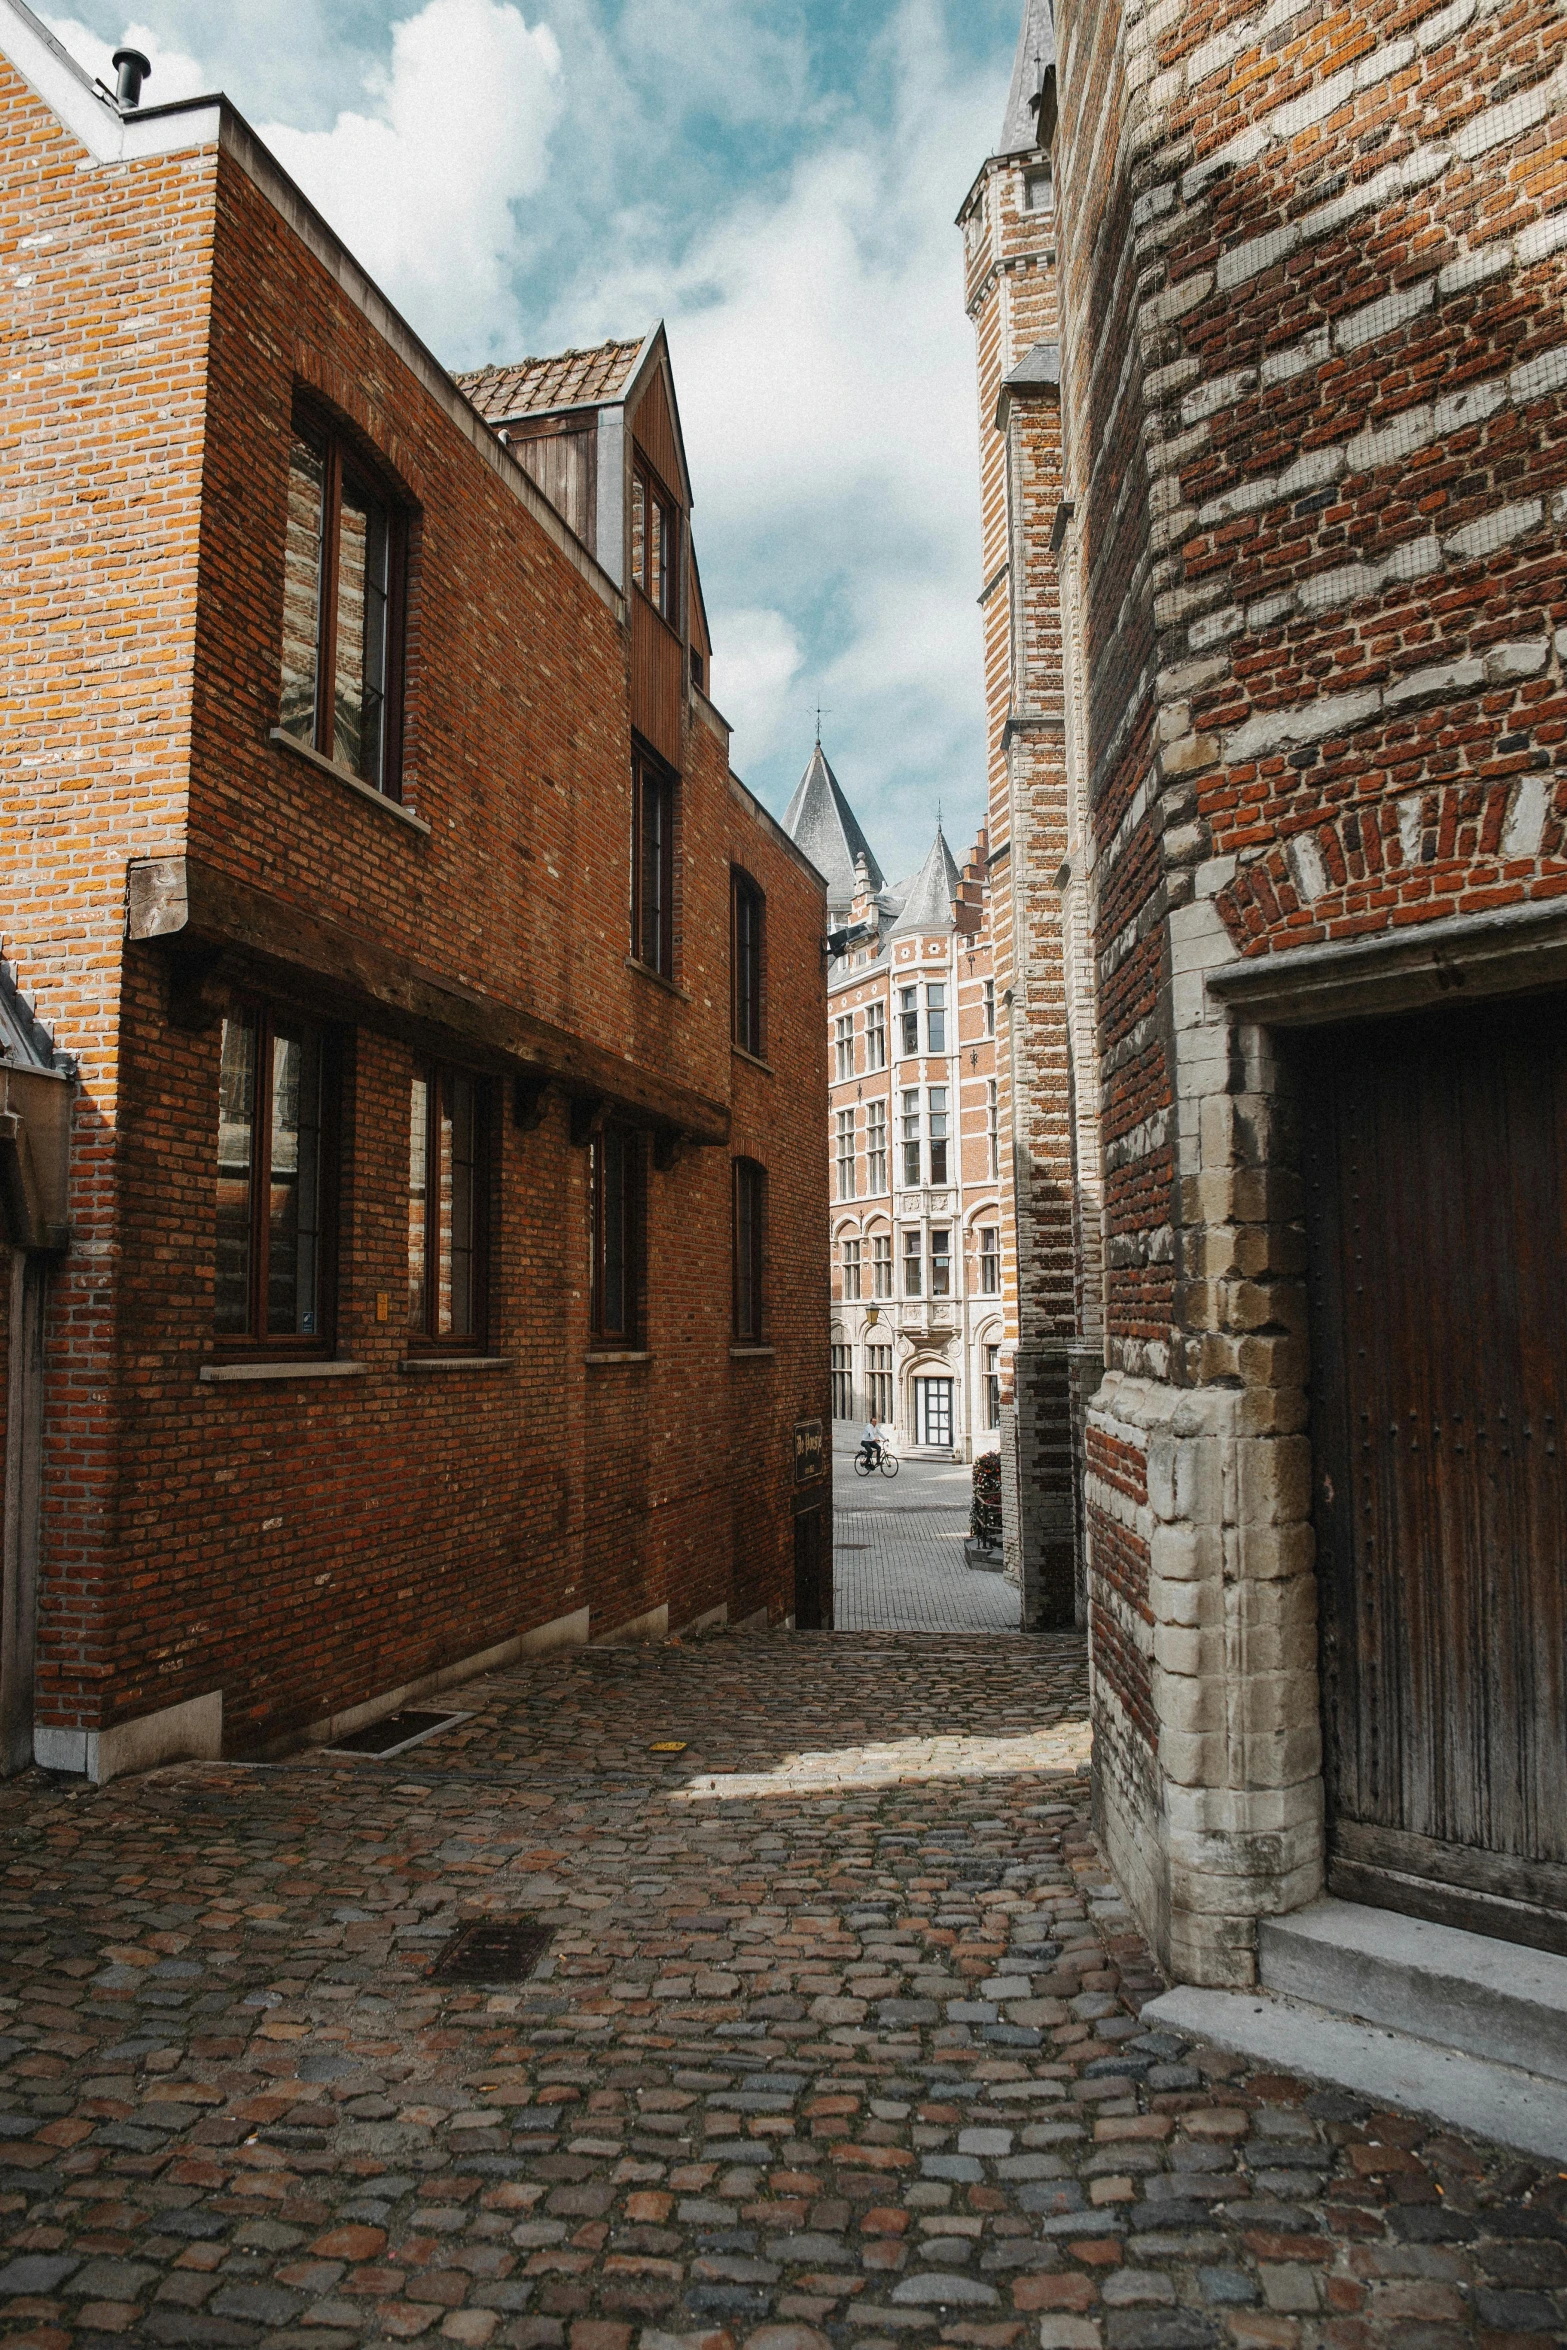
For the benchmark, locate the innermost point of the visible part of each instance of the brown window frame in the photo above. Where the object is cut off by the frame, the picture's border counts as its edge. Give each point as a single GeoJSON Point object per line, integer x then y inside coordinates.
{"type": "Point", "coordinates": [749, 1253]}
{"type": "Point", "coordinates": [748, 964]}
{"type": "Point", "coordinates": [344, 462]}
{"type": "Point", "coordinates": [255, 1342]}
{"type": "Point", "coordinates": [427, 1338]}
{"type": "Point", "coordinates": [647, 488]}
{"type": "Point", "coordinates": [650, 778]}
{"type": "Point", "coordinates": [625, 1334]}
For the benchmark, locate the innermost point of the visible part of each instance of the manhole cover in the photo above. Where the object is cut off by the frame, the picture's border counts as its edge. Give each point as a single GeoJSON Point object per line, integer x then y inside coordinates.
{"type": "Point", "coordinates": [851, 1546]}
{"type": "Point", "coordinates": [392, 1733]}
{"type": "Point", "coordinates": [491, 1950]}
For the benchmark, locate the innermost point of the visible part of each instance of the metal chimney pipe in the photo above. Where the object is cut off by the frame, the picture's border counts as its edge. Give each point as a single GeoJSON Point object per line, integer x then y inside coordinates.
{"type": "Point", "coordinates": [133, 69]}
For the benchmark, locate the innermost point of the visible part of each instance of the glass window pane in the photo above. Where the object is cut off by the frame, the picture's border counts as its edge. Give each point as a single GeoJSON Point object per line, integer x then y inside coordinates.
{"type": "Point", "coordinates": [302, 591]}
{"type": "Point", "coordinates": [459, 1205]}
{"type": "Point", "coordinates": [639, 532]}
{"type": "Point", "coordinates": [418, 1201]}
{"type": "Point", "coordinates": [236, 1131]}
{"type": "Point", "coordinates": [360, 684]}
{"type": "Point", "coordinates": [294, 1185]}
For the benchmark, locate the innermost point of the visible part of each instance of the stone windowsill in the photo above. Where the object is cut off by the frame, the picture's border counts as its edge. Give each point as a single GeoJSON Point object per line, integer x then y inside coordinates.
{"type": "Point", "coordinates": [629, 1354]}
{"type": "Point", "coordinates": [646, 970]}
{"type": "Point", "coordinates": [346, 775]}
{"type": "Point", "coordinates": [455, 1363]}
{"type": "Point", "coordinates": [741, 1353]}
{"type": "Point", "coordinates": [754, 1059]}
{"type": "Point", "coordinates": [301, 1367]}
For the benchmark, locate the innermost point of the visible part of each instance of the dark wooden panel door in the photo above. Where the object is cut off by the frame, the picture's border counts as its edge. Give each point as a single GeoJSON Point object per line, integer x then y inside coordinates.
{"type": "Point", "coordinates": [1436, 1169]}
{"type": "Point", "coordinates": [812, 1572]}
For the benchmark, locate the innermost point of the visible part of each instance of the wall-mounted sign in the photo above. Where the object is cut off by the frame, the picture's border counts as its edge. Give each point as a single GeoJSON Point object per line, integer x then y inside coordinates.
{"type": "Point", "coordinates": [810, 1454]}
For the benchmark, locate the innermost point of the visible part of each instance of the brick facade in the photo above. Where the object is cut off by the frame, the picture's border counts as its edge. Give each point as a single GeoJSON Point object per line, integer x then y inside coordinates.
{"type": "Point", "coordinates": [306, 1543]}
{"type": "Point", "coordinates": [1314, 376]}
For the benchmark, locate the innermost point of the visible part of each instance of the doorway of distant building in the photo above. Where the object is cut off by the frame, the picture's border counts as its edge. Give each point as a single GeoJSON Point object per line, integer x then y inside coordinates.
{"type": "Point", "coordinates": [933, 1412]}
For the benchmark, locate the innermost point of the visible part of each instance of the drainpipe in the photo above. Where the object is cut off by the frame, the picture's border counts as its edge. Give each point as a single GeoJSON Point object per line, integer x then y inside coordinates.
{"type": "Point", "coordinates": [35, 1130]}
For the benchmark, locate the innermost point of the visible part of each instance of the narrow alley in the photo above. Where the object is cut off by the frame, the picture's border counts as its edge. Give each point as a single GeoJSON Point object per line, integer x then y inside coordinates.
{"type": "Point", "coordinates": [834, 2039]}
{"type": "Point", "coordinates": [898, 1557]}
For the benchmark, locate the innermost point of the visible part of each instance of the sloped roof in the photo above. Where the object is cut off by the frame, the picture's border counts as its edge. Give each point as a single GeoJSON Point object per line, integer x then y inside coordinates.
{"type": "Point", "coordinates": [820, 821]}
{"type": "Point", "coordinates": [928, 902]}
{"type": "Point", "coordinates": [571, 379]}
{"type": "Point", "coordinates": [24, 1040]}
{"type": "Point", "coordinates": [1036, 49]}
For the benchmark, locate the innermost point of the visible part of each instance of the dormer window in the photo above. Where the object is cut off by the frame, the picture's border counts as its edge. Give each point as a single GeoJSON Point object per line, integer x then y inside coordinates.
{"type": "Point", "coordinates": [655, 542]}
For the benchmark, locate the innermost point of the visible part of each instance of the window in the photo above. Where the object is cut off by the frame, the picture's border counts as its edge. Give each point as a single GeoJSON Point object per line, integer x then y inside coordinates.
{"type": "Point", "coordinates": [846, 1154]}
{"type": "Point", "coordinates": [653, 866]}
{"type": "Point", "coordinates": [875, 1036]}
{"type": "Point", "coordinates": [446, 1210]}
{"type": "Point", "coordinates": [990, 1007]}
{"type": "Point", "coordinates": [878, 1382]}
{"type": "Point", "coordinates": [1039, 191]}
{"type": "Point", "coordinates": [908, 1013]}
{"type": "Point", "coordinates": [933, 1411]}
{"type": "Point", "coordinates": [842, 1385]}
{"type": "Point", "coordinates": [750, 1206]}
{"type": "Point", "coordinates": [935, 1019]}
{"type": "Point", "coordinates": [747, 917]}
{"type": "Point", "coordinates": [989, 1262]}
{"type": "Point", "coordinates": [941, 1262]}
{"type": "Point", "coordinates": [843, 1044]}
{"type": "Point", "coordinates": [912, 1265]}
{"type": "Point", "coordinates": [936, 1101]}
{"type": "Point", "coordinates": [655, 543]}
{"type": "Point", "coordinates": [881, 1264]}
{"type": "Point", "coordinates": [271, 1277]}
{"type": "Point", "coordinates": [875, 1146]}
{"type": "Point", "coordinates": [343, 561]}
{"type": "Point", "coordinates": [616, 1210]}
{"type": "Point", "coordinates": [992, 1127]}
{"type": "Point", "coordinates": [911, 1139]}
{"type": "Point", "coordinates": [851, 1268]}
{"type": "Point", "coordinates": [992, 1387]}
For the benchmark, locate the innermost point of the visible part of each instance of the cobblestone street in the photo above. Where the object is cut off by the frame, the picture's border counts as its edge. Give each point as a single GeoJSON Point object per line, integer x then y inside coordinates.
{"type": "Point", "coordinates": [898, 1562]}
{"type": "Point", "coordinates": [835, 2041]}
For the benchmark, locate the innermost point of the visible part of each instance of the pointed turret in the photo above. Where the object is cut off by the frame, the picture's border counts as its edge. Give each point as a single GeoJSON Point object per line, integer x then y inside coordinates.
{"type": "Point", "coordinates": [820, 821]}
{"type": "Point", "coordinates": [1035, 65]}
{"type": "Point", "coordinates": [927, 906]}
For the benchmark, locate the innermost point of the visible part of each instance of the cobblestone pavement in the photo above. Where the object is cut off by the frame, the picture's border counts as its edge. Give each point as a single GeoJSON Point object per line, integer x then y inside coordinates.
{"type": "Point", "coordinates": [836, 2044]}
{"type": "Point", "coordinates": [898, 1562]}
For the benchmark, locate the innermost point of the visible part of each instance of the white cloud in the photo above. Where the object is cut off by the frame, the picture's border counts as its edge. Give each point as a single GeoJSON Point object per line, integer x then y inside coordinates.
{"type": "Point", "coordinates": [173, 76]}
{"type": "Point", "coordinates": [424, 190]}
{"type": "Point", "coordinates": [755, 666]}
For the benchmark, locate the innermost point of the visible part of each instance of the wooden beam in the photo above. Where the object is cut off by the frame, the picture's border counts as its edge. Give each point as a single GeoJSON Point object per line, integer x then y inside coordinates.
{"type": "Point", "coordinates": [191, 904]}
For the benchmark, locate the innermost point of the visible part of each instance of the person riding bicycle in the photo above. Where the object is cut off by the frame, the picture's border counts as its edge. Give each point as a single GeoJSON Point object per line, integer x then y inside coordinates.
{"type": "Point", "coordinates": [873, 1442]}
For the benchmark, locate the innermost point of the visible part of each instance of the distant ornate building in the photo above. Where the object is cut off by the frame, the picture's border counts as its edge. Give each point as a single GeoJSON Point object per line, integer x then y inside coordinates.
{"type": "Point", "coordinates": [920, 1269]}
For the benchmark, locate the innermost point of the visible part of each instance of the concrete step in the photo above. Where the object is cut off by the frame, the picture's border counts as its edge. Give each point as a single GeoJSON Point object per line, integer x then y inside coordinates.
{"type": "Point", "coordinates": [1495, 2000]}
{"type": "Point", "coordinates": [1388, 2069]}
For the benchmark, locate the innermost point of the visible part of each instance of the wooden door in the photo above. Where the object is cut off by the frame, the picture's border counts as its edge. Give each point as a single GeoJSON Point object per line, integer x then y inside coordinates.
{"type": "Point", "coordinates": [1436, 1171]}
{"type": "Point", "coordinates": [812, 1571]}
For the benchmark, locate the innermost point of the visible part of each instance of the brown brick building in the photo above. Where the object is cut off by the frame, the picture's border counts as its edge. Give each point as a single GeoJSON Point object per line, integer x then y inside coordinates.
{"type": "Point", "coordinates": [1313, 532]}
{"type": "Point", "coordinates": [417, 1293]}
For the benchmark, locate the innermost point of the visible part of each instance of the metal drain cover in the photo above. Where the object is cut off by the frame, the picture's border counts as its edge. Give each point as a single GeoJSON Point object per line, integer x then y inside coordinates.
{"type": "Point", "coordinates": [492, 1950]}
{"type": "Point", "coordinates": [393, 1732]}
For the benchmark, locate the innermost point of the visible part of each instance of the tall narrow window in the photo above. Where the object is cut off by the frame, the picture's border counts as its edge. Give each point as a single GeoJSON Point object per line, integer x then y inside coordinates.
{"type": "Point", "coordinates": [843, 1046]}
{"type": "Point", "coordinates": [936, 1101]}
{"type": "Point", "coordinates": [655, 543]}
{"type": "Point", "coordinates": [851, 1269]}
{"type": "Point", "coordinates": [911, 1139]}
{"type": "Point", "coordinates": [875, 1037]}
{"type": "Point", "coordinates": [271, 1289]}
{"type": "Point", "coordinates": [913, 1282]}
{"type": "Point", "coordinates": [875, 1147]}
{"type": "Point", "coordinates": [992, 1387]}
{"type": "Point", "coordinates": [878, 1383]}
{"type": "Point", "coordinates": [846, 1154]}
{"type": "Point", "coordinates": [842, 1384]}
{"type": "Point", "coordinates": [653, 866]}
{"type": "Point", "coordinates": [343, 563]}
{"type": "Point", "coordinates": [616, 1179]}
{"type": "Point", "coordinates": [989, 1260]}
{"type": "Point", "coordinates": [750, 1185]}
{"type": "Point", "coordinates": [990, 1007]}
{"type": "Point", "coordinates": [941, 1262]}
{"type": "Point", "coordinates": [936, 1019]}
{"type": "Point", "coordinates": [447, 1190]}
{"type": "Point", "coordinates": [992, 1127]}
{"type": "Point", "coordinates": [909, 1014]}
{"type": "Point", "coordinates": [747, 913]}
{"type": "Point", "coordinates": [881, 1264]}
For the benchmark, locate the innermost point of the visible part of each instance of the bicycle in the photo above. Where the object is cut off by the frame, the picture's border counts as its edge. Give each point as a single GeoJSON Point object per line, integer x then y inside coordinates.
{"type": "Point", "coordinates": [888, 1464]}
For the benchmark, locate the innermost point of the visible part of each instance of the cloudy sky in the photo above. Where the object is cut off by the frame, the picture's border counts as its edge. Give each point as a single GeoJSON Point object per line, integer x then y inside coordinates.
{"type": "Point", "coordinates": [775, 178]}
